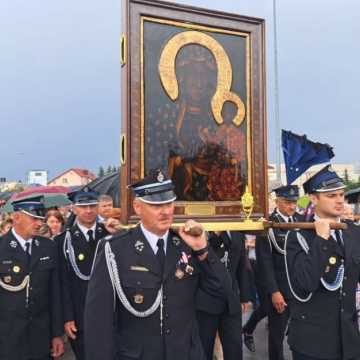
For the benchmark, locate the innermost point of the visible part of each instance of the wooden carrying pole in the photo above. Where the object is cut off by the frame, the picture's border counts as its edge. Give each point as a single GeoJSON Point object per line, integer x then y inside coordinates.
{"type": "Point", "coordinates": [196, 231]}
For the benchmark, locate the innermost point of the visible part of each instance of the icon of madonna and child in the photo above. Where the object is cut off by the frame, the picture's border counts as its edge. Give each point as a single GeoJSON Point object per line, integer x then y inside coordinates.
{"type": "Point", "coordinates": [204, 154]}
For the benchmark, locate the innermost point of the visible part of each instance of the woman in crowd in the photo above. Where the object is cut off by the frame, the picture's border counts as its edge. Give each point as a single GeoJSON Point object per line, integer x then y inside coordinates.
{"type": "Point", "coordinates": [5, 226]}
{"type": "Point", "coordinates": [55, 221]}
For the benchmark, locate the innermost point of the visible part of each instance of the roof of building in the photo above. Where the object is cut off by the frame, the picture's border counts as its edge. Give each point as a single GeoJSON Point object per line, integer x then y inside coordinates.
{"type": "Point", "coordinates": [81, 172]}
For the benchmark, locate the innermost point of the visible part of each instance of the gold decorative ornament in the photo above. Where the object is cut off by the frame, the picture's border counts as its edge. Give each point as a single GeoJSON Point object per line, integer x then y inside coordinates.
{"type": "Point", "coordinates": [16, 269]}
{"type": "Point", "coordinates": [332, 260]}
{"type": "Point", "coordinates": [81, 257]}
{"type": "Point", "coordinates": [224, 73]}
{"type": "Point", "coordinates": [247, 202]}
{"type": "Point", "coordinates": [138, 299]}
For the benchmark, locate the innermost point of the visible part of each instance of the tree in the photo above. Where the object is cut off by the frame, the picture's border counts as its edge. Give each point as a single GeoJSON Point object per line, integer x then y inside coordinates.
{"type": "Point", "coordinates": [101, 171]}
{"type": "Point", "coordinates": [109, 170]}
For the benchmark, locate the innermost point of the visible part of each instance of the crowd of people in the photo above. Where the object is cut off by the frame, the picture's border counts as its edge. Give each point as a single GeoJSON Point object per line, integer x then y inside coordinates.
{"type": "Point", "coordinates": [153, 293]}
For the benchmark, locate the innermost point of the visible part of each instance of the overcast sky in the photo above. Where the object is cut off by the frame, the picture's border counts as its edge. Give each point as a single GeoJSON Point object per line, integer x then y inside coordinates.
{"type": "Point", "coordinates": [59, 78]}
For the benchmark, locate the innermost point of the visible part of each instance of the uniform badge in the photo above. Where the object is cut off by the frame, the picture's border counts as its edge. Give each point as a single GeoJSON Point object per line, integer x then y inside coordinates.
{"type": "Point", "coordinates": [179, 273]}
{"type": "Point", "coordinates": [36, 242]}
{"type": "Point", "coordinates": [7, 279]}
{"type": "Point", "coordinates": [16, 269]}
{"type": "Point", "coordinates": [81, 257]}
{"type": "Point", "coordinates": [160, 177]}
{"type": "Point", "coordinates": [189, 269]}
{"type": "Point", "coordinates": [13, 244]}
{"type": "Point", "coordinates": [138, 299]}
{"type": "Point", "coordinates": [77, 233]}
{"type": "Point", "coordinates": [138, 268]}
{"type": "Point", "coordinates": [139, 245]}
{"type": "Point", "coordinates": [332, 260]}
{"type": "Point", "coordinates": [176, 241]}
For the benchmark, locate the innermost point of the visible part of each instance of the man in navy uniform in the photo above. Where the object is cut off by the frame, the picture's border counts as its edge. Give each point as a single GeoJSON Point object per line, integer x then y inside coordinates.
{"type": "Point", "coordinates": [225, 315]}
{"type": "Point", "coordinates": [270, 258]}
{"type": "Point", "coordinates": [30, 310]}
{"type": "Point", "coordinates": [145, 281]}
{"type": "Point", "coordinates": [324, 269]}
{"type": "Point", "coordinates": [77, 246]}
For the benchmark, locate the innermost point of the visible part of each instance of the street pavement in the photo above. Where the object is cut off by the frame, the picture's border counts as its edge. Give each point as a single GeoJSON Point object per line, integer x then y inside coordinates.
{"type": "Point", "coordinates": [260, 344]}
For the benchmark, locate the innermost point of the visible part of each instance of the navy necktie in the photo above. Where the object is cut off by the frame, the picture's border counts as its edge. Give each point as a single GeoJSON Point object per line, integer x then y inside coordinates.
{"type": "Point", "coordinates": [27, 251]}
{"type": "Point", "coordinates": [90, 236]}
{"type": "Point", "coordinates": [161, 253]}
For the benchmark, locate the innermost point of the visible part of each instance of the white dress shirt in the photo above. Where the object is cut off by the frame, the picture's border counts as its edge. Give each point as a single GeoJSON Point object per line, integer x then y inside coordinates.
{"type": "Point", "coordinates": [85, 230]}
{"type": "Point", "coordinates": [22, 241]}
{"type": "Point", "coordinates": [153, 239]}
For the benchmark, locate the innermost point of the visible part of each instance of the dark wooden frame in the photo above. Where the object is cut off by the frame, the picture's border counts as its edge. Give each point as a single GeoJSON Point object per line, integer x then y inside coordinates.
{"type": "Point", "coordinates": [132, 12]}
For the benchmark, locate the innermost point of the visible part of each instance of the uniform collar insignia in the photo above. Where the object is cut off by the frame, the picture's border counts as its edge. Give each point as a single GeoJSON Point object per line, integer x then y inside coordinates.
{"type": "Point", "coordinates": [13, 244]}
{"type": "Point", "coordinates": [77, 233]}
{"type": "Point", "coordinates": [139, 245]}
{"type": "Point", "coordinates": [176, 241]}
{"type": "Point", "coordinates": [36, 242]}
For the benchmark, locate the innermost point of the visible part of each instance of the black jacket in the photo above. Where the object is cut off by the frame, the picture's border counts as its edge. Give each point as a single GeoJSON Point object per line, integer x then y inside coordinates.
{"type": "Point", "coordinates": [26, 330]}
{"type": "Point", "coordinates": [73, 289]}
{"type": "Point", "coordinates": [238, 267]}
{"type": "Point", "coordinates": [139, 270]}
{"type": "Point", "coordinates": [326, 325]}
{"type": "Point", "coordinates": [271, 262]}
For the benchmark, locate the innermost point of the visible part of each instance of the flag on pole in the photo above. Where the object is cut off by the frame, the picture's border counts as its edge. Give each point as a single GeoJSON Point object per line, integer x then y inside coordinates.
{"type": "Point", "coordinates": [300, 154]}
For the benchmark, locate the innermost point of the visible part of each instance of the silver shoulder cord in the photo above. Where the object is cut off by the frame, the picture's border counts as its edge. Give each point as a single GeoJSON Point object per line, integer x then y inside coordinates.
{"type": "Point", "coordinates": [271, 237]}
{"type": "Point", "coordinates": [69, 253]}
{"type": "Point", "coordinates": [337, 284]}
{"type": "Point", "coordinates": [116, 283]}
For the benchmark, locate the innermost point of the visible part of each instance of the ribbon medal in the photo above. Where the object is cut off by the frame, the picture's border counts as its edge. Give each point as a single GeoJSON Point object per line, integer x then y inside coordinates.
{"type": "Point", "coordinates": [183, 266]}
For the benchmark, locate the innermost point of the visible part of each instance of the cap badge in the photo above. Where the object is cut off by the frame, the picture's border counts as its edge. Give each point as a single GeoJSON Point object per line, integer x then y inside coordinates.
{"type": "Point", "coordinates": [160, 177]}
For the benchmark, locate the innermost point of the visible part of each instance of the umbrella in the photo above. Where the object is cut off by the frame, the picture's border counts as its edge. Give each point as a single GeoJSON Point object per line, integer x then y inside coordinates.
{"type": "Point", "coordinates": [41, 190]}
{"type": "Point", "coordinates": [50, 201]}
{"type": "Point", "coordinates": [6, 195]}
{"type": "Point", "coordinates": [108, 184]}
